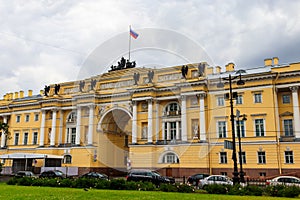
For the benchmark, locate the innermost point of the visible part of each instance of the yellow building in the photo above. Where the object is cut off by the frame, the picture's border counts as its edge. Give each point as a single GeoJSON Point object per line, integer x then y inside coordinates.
{"type": "Point", "coordinates": [174, 119]}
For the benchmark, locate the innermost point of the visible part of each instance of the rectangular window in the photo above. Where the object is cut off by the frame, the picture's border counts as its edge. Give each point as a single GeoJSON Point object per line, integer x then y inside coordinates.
{"type": "Point", "coordinates": [36, 117]}
{"type": "Point", "coordinates": [166, 130]}
{"type": "Point", "coordinates": [220, 101]}
{"type": "Point", "coordinates": [173, 130]}
{"type": "Point", "coordinates": [17, 138]}
{"type": "Point", "coordinates": [261, 157]}
{"type": "Point", "coordinates": [73, 135]}
{"type": "Point", "coordinates": [144, 130]}
{"type": "Point", "coordinates": [26, 118]}
{"type": "Point", "coordinates": [286, 99]}
{"type": "Point", "coordinates": [262, 174]}
{"type": "Point", "coordinates": [243, 157]}
{"type": "Point", "coordinates": [240, 126]}
{"type": "Point", "coordinates": [288, 127]}
{"type": "Point", "coordinates": [35, 138]}
{"type": "Point", "coordinates": [289, 158]}
{"type": "Point", "coordinates": [222, 129]}
{"type": "Point", "coordinates": [25, 141]}
{"type": "Point", "coordinates": [259, 127]}
{"type": "Point", "coordinates": [239, 99]}
{"type": "Point", "coordinates": [257, 98]}
{"type": "Point", "coordinates": [18, 118]}
{"type": "Point", "coordinates": [223, 157]}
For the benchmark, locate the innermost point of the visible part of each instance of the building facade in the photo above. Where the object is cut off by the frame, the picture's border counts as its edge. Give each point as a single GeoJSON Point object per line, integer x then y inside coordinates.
{"type": "Point", "coordinates": [173, 119]}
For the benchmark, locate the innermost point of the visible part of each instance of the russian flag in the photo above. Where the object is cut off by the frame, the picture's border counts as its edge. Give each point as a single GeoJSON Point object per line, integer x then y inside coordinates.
{"type": "Point", "coordinates": [133, 34]}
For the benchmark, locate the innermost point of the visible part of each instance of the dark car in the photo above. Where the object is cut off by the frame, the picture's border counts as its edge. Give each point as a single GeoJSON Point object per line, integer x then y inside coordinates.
{"type": "Point", "coordinates": [52, 174]}
{"type": "Point", "coordinates": [194, 179]}
{"type": "Point", "coordinates": [21, 174]}
{"type": "Point", "coordinates": [148, 176]}
{"type": "Point", "coordinates": [95, 175]}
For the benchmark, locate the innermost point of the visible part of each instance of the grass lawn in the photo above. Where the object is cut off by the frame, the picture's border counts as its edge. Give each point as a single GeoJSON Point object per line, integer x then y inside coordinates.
{"type": "Point", "coordinates": [23, 192]}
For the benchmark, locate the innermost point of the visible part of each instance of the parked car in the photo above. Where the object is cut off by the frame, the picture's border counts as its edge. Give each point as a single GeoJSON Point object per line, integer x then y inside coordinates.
{"type": "Point", "coordinates": [284, 180]}
{"type": "Point", "coordinates": [215, 179]}
{"type": "Point", "coordinates": [194, 179]}
{"type": "Point", "coordinates": [95, 175]}
{"type": "Point", "coordinates": [21, 174]}
{"type": "Point", "coordinates": [148, 176]}
{"type": "Point", "coordinates": [52, 174]}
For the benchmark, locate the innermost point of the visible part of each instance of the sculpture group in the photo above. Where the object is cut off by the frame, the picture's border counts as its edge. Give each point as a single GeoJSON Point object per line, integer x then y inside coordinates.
{"type": "Point", "coordinates": [123, 64]}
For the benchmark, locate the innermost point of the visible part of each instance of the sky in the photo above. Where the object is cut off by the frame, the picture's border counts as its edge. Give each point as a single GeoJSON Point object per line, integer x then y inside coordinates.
{"type": "Point", "coordinates": [53, 41]}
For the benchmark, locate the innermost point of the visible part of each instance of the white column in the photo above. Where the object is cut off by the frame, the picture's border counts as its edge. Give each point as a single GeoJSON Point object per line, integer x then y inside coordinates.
{"type": "Point", "coordinates": [202, 122]}
{"type": "Point", "coordinates": [296, 110]}
{"type": "Point", "coordinates": [163, 131]}
{"type": "Point", "coordinates": [3, 137]}
{"type": "Point", "coordinates": [183, 119]}
{"type": "Point", "coordinates": [53, 128]}
{"type": "Point", "coordinates": [42, 130]}
{"type": "Point", "coordinates": [91, 125]}
{"type": "Point", "coordinates": [157, 121]}
{"type": "Point", "coordinates": [134, 122]}
{"type": "Point", "coordinates": [78, 126]}
{"type": "Point", "coordinates": [150, 124]}
{"type": "Point", "coordinates": [61, 121]}
{"type": "Point", "coordinates": [168, 131]}
{"type": "Point", "coordinates": [177, 131]}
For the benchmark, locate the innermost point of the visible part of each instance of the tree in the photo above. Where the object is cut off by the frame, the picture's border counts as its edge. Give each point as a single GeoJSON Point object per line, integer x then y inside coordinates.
{"type": "Point", "coordinates": [4, 129]}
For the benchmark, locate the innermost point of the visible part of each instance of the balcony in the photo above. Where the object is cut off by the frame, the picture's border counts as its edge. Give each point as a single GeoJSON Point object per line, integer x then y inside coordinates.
{"type": "Point", "coordinates": [172, 113]}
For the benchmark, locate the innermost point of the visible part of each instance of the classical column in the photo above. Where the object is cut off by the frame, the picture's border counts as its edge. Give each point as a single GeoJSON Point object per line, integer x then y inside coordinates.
{"type": "Point", "coordinates": [168, 131]}
{"type": "Point", "coordinates": [157, 121]}
{"type": "Point", "coordinates": [134, 122]}
{"type": "Point", "coordinates": [202, 122]}
{"type": "Point", "coordinates": [78, 126]}
{"type": "Point", "coordinates": [61, 121]}
{"type": "Point", "coordinates": [296, 110]}
{"type": "Point", "coordinates": [3, 138]}
{"type": "Point", "coordinates": [53, 128]}
{"type": "Point", "coordinates": [183, 119]}
{"type": "Point", "coordinates": [42, 130]}
{"type": "Point", "coordinates": [150, 120]}
{"type": "Point", "coordinates": [91, 125]}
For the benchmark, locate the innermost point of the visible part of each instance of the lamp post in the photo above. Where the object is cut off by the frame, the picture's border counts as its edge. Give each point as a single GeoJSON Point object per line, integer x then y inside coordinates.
{"type": "Point", "coordinates": [238, 115]}
{"type": "Point", "coordinates": [233, 96]}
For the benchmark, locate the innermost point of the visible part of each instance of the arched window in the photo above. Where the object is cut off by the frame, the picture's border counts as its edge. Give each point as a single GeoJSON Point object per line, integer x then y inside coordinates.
{"type": "Point", "coordinates": [72, 117]}
{"type": "Point", "coordinates": [172, 109]}
{"type": "Point", "coordinates": [67, 159]}
{"type": "Point", "coordinates": [170, 158]}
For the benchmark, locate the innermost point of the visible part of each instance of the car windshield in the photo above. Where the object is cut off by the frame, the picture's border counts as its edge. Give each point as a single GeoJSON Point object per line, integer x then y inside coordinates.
{"type": "Point", "coordinates": [156, 173]}
{"type": "Point", "coordinates": [58, 172]}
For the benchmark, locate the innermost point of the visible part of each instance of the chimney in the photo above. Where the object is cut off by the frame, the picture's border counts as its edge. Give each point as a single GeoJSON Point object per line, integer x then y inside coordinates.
{"type": "Point", "coordinates": [29, 93]}
{"type": "Point", "coordinates": [218, 69]}
{"type": "Point", "coordinates": [268, 62]}
{"type": "Point", "coordinates": [21, 94]}
{"type": "Point", "coordinates": [230, 67]}
{"type": "Point", "coordinates": [275, 61]}
{"type": "Point", "coordinates": [16, 95]}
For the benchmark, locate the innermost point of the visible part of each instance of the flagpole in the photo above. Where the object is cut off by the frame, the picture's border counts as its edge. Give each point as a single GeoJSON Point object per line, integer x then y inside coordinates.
{"type": "Point", "coordinates": [129, 43]}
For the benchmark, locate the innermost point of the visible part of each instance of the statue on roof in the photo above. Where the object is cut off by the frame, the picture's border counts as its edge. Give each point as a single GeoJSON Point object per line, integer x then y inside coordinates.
{"type": "Point", "coordinates": [150, 76]}
{"type": "Point", "coordinates": [81, 85]}
{"type": "Point", "coordinates": [93, 84]}
{"type": "Point", "coordinates": [136, 77]}
{"type": "Point", "coordinates": [46, 90]}
{"type": "Point", "coordinates": [184, 70]}
{"type": "Point", "coordinates": [201, 69]}
{"type": "Point", "coordinates": [56, 89]}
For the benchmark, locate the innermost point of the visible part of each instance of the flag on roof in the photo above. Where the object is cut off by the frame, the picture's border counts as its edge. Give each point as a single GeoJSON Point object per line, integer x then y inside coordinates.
{"type": "Point", "coordinates": [133, 34]}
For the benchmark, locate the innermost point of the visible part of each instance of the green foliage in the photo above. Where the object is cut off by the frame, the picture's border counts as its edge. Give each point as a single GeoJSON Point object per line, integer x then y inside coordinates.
{"type": "Point", "coordinates": [12, 181]}
{"type": "Point", "coordinates": [282, 191]}
{"type": "Point", "coordinates": [184, 188]}
{"type": "Point", "coordinates": [118, 184]}
{"type": "Point", "coordinates": [167, 188]}
{"type": "Point", "coordinates": [217, 189]}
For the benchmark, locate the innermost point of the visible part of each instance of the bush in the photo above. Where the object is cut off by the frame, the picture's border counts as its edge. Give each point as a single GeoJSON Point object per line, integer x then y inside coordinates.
{"type": "Point", "coordinates": [289, 191]}
{"type": "Point", "coordinates": [12, 181]}
{"type": "Point", "coordinates": [252, 190]}
{"type": "Point", "coordinates": [273, 190]}
{"type": "Point", "coordinates": [217, 189]}
{"type": "Point", "coordinates": [117, 184]}
{"type": "Point", "coordinates": [26, 181]}
{"type": "Point", "coordinates": [167, 188]}
{"type": "Point", "coordinates": [184, 188]}
{"type": "Point", "coordinates": [66, 183]}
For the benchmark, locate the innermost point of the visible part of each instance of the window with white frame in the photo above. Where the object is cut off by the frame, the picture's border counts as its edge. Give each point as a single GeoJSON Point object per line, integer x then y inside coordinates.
{"type": "Point", "coordinates": [17, 135]}
{"type": "Point", "coordinates": [261, 157]}
{"type": "Point", "coordinates": [73, 135]}
{"type": "Point", "coordinates": [223, 157]}
{"type": "Point", "coordinates": [35, 137]}
{"type": "Point", "coordinates": [18, 118]}
{"type": "Point", "coordinates": [170, 158]}
{"type": "Point", "coordinates": [259, 127]}
{"type": "Point", "coordinates": [172, 109]}
{"type": "Point", "coordinates": [220, 101]}
{"type": "Point", "coordinates": [25, 139]}
{"type": "Point", "coordinates": [289, 158]}
{"type": "Point", "coordinates": [67, 159]}
{"type": "Point", "coordinates": [240, 126]}
{"type": "Point", "coordinates": [239, 99]}
{"type": "Point", "coordinates": [243, 157]}
{"type": "Point", "coordinates": [36, 117]}
{"type": "Point", "coordinates": [288, 127]}
{"type": "Point", "coordinates": [222, 129]}
{"type": "Point", "coordinates": [286, 99]}
{"type": "Point", "coordinates": [27, 118]}
{"type": "Point", "coordinates": [173, 130]}
{"type": "Point", "coordinates": [257, 98]}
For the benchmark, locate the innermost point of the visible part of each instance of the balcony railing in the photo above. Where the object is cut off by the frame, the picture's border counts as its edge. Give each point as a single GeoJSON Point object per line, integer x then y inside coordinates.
{"type": "Point", "coordinates": [172, 113]}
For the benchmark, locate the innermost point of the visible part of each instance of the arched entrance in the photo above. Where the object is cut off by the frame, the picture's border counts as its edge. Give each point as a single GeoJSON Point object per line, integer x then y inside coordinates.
{"type": "Point", "coordinates": [115, 131]}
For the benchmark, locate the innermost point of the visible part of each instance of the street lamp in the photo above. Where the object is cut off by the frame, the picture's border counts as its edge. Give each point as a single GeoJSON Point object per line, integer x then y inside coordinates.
{"type": "Point", "coordinates": [231, 97]}
{"type": "Point", "coordinates": [238, 115]}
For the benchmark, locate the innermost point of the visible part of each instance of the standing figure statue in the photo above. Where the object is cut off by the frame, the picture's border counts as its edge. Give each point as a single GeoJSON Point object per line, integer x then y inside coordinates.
{"type": "Point", "coordinates": [136, 77]}
{"type": "Point", "coordinates": [93, 84]}
{"type": "Point", "coordinates": [184, 71]}
{"type": "Point", "coordinates": [56, 89]}
{"type": "Point", "coordinates": [46, 90]}
{"type": "Point", "coordinates": [201, 69]}
{"type": "Point", "coordinates": [150, 76]}
{"type": "Point", "coordinates": [81, 85]}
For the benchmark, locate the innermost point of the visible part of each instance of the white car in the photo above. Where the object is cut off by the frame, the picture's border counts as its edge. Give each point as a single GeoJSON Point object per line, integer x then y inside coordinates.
{"type": "Point", "coordinates": [215, 179]}
{"type": "Point", "coordinates": [284, 180]}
